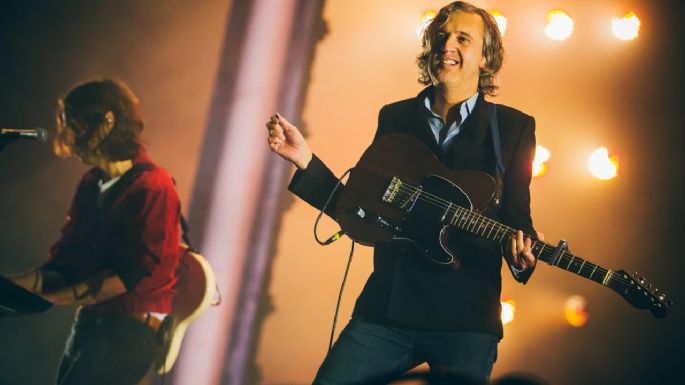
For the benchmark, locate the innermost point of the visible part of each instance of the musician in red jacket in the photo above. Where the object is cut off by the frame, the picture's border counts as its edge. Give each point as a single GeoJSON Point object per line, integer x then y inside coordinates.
{"type": "Point", "coordinates": [409, 311]}
{"type": "Point", "coordinates": [119, 248]}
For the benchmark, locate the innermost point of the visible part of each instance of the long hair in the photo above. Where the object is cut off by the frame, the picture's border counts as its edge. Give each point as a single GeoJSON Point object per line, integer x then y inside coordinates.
{"type": "Point", "coordinates": [492, 45]}
{"type": "Point", "coordinates": [81, 118]}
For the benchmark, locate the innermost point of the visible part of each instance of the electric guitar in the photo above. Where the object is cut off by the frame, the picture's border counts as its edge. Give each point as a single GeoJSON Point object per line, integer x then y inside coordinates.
{"type": "Point", "coordinates": [399, 191]}
{"type": "Point", "coordinates": [195, 291]}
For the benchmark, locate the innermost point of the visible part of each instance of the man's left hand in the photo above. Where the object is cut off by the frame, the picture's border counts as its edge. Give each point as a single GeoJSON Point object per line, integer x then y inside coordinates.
{"type": "Point", "coordinates": [521, 253]}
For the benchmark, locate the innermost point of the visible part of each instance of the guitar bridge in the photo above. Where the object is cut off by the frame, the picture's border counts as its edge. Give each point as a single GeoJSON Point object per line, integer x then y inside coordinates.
{"type": "Point", "coordinates": [392, 190]}
{"type": "Point", "coordinates": [400, 194]}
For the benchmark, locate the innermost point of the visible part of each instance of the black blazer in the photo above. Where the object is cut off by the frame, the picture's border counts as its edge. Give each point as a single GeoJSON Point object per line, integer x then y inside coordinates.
{"type": "Point", "coordinates": [406, 290]}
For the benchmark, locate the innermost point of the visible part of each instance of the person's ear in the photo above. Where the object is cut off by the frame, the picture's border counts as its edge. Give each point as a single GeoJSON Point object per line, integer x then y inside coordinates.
{"type": "Point", "coordinates": [108, 123]}
{"type": "Point", "coordinates": [484, 63]}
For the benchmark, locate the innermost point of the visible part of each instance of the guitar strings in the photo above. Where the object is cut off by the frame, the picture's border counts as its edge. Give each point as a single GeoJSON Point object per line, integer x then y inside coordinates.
{"type": "Point", "coordinates": [545, 248]}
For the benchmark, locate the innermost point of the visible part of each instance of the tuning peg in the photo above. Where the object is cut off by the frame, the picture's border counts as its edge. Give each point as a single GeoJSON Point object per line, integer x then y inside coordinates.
{"type": "Point", "coordinates": [662, 297]}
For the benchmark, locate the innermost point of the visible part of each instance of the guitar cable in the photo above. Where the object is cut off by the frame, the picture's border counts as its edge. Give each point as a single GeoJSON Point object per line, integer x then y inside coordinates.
{"type": "Point", "coordinates": [338, 234]}
{"type": "Point", "coordinates": [327, 242]}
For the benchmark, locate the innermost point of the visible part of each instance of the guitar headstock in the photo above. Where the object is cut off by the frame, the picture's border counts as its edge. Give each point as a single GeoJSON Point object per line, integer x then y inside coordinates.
{"type": "Point", "coordinates": [639, 293]}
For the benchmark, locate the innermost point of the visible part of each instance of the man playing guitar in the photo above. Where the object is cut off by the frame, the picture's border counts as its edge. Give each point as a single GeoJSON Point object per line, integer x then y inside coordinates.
{"type": "Point", "coordinates": [410, 311]}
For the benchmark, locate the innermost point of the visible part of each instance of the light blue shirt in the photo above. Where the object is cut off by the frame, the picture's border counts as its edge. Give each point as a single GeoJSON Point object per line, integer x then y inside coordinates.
{"type": "Point", "coordinates": [437, 123]}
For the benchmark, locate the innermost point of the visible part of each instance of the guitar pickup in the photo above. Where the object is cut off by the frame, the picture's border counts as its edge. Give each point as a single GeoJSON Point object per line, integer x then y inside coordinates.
{"type": "Point", "coordinates": [375, 219]}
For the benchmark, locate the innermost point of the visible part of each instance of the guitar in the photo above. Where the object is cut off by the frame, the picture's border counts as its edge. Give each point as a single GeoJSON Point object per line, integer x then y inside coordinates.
{"type": "Point", "coordinates": [399, 191]}
{"type": "Point", "coordinates": [195, 290]}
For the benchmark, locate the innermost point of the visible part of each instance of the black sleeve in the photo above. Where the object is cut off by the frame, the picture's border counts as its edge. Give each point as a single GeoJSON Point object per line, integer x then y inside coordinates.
{"type": "Point", "coordinates": [515, 210]}
{"type": "Point", "coordinates": [315, 184]}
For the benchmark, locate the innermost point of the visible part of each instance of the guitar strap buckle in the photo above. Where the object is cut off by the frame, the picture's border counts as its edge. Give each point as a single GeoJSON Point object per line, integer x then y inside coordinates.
{"type": "Point", "coordinates": [497, 148]}
{"type": "Point", "coordinates": [497, 198]}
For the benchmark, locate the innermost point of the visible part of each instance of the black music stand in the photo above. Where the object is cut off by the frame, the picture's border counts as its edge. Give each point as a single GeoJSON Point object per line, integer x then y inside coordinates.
{"type": "Point", "coordinates": [15, 300]}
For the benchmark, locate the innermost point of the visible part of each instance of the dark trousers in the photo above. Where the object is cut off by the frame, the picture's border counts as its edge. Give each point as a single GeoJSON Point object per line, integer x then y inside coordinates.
{"type": "Point", "coordinates": [107, 350]}
{"type": "Point", "coordinates": [369, 353]}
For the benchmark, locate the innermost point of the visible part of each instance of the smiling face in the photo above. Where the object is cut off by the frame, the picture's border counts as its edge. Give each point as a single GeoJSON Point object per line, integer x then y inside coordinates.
{"type": "Point", "coordinates": [456, 56]}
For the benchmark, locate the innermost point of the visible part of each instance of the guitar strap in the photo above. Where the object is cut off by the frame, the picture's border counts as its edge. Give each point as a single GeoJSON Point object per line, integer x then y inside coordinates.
{"type": "Point", "coordinates": [497, 146]}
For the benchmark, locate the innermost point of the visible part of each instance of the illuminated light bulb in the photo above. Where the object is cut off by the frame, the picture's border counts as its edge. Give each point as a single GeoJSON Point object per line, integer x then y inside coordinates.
{"type": "Point", "coordinates": [602, 165]}
{"type": "Point", "coordinates": [627, 27]}
{"type": "Point", "coordinates": [542, 155]}
{"type": "Point", "coordinates": [508, 310]}
{"type": "Point", "coordinates": [539, 169]}
{"type": "Point", "coordinates": [575, 311]}
{"type": "Point", "coordinates": [500, 20]}
{"type": "Point", "coordinates": [426, 18]}
{"type": "Point", "coordinates": [559, 25]}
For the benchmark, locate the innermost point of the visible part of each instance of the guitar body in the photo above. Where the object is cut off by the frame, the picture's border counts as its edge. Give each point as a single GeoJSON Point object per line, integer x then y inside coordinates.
{"type": "Point", "coordinates": [404, 156]}
{"type": "Point", "coordinates": [195, 290]}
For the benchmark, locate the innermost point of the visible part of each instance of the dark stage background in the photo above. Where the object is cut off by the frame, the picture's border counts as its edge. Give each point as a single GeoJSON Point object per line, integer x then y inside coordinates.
{"type": "Point", "coordinates": [168, 51]}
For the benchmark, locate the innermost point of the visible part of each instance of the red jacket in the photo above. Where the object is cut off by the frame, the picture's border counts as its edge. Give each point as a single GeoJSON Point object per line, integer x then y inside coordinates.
{"type": "Point", "coordinates": [133, 229]}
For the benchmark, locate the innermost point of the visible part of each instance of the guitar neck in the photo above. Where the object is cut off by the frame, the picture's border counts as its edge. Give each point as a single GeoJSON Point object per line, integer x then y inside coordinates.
{"type": "Point", "coordinates": [492, 230]}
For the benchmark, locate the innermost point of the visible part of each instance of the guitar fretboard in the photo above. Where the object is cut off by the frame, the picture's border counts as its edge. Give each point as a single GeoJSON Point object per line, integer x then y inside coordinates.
{"type": "Point", "coordinates": [487, 228]}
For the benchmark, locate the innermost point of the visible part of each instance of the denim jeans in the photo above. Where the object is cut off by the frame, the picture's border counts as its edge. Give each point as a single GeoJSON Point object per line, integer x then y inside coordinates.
{"type": "Point", "coordinates": [107, 350]}
{"type": "Point", "coordinates": [369, 353]}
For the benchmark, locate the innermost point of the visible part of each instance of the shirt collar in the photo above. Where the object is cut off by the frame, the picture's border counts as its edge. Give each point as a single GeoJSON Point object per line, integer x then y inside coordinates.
{"type": "Point", "coordinates": [464, 110]}
{"type": "Point", "coordinates": [104, 186]}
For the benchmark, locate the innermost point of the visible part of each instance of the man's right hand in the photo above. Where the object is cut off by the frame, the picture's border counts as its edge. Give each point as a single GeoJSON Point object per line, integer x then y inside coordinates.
{"type": "Point", "coordinates": [287, 141]}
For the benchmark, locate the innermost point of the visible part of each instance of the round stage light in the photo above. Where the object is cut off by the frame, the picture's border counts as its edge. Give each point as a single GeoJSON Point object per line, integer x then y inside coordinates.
{"type": "Point", "coordinates": [559, 25]}
{"type": "Point", "coordinates": [575, 311]}
{"type": "Point", "coordinates": [501, 21]}
{"type": "Point", "coordinates": [542, 155]}
{"type": "Point", "coordinates": [627, 27]}
{"type": "Point", "coordinates": [426, 18]}
{"type": "Point", "coordinates": [602, 165]}
{"type": "Point", "coordinates": [508, 310]}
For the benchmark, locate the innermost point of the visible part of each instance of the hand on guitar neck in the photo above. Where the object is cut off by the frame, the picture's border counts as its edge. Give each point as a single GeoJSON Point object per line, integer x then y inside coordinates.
{"type": "Point", "coordinates": [520, 250]}
{"type": "Point", "coordinates": [287, 141]}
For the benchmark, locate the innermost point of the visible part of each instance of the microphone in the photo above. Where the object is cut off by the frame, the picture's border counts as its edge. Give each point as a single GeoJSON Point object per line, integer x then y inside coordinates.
{"type": "Point", "coordinates": [37, 133]}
